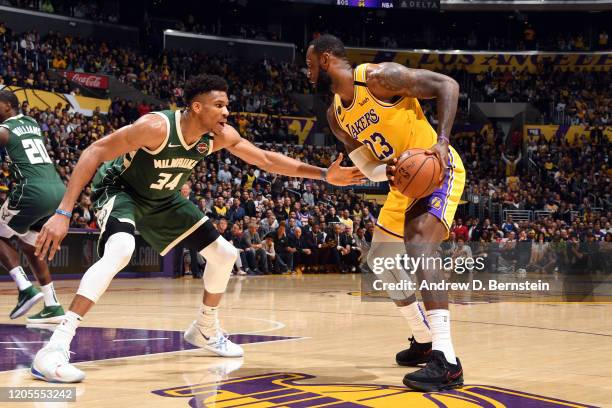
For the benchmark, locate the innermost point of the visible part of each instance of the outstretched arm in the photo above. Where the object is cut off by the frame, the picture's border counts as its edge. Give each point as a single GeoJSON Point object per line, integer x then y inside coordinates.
{"type": "Point", "coordinates": [277, 163]}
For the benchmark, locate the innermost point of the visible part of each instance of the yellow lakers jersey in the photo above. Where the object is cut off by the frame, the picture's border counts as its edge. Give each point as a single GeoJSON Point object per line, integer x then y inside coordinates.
{"type": "Point", "coordinates": [386, 128]}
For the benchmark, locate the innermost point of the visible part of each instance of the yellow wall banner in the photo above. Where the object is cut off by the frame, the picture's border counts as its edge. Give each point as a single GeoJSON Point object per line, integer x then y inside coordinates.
{"type": "Point", "coordinates": [475, 62]}
{"type": "Point", "coordinates": [571, 133]}
{"type": "Point", "coordinates": [44, 100]}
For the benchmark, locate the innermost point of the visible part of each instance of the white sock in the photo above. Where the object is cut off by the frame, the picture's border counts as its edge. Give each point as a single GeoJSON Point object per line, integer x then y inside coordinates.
{"type": "Point", "coordinates": [207, 316]}
{"type": "Point", "coordinates": [20, 278]}
{"type": "Point", "coordinates": [417, 321]}
{"type": "Point", "coordinates": [50, 297]}
{"type": "Point", "coordinates": [439, 322]}
{"type": "Point", "coordinates": [66, 330]}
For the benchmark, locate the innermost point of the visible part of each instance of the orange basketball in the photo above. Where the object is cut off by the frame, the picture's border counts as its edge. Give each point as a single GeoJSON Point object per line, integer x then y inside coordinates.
{"type": "Point", "coordinates": [417, 174]}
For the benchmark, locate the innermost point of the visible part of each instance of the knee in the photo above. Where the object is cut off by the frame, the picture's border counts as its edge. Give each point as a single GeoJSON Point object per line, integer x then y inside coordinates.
{"type": "Point", "coordinates": [229, 253]}
{"type": "Point", "coordinates": [220, 252]}
{"type": "Point", "coordinates": [120, 247]}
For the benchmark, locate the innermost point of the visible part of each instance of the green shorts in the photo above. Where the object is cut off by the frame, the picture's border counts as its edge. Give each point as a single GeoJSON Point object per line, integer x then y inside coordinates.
{"type": "Point", "coordinates": [28, 207]}
{"type": "Point", "coordinates": [162, 223]}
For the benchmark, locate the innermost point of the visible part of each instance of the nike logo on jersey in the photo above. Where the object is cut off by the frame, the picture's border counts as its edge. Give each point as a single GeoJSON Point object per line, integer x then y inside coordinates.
{"type": "Point", "coordinates": [173, 145]}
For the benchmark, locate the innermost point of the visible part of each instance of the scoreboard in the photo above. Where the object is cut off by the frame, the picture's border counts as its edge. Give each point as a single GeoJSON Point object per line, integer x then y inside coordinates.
{"type": "Point", "coordinates": [366, 3]}
{"type": "Point", "coordinates": [433, 5]}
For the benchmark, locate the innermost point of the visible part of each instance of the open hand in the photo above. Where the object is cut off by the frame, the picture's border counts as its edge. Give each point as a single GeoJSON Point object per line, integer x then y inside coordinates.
{"type": "Point", "coordinates": [344, 176]}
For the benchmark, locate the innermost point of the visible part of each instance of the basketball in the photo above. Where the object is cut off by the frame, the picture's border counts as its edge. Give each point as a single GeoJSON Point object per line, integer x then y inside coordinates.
{"type": "Point", "coordinates": [417, 173]}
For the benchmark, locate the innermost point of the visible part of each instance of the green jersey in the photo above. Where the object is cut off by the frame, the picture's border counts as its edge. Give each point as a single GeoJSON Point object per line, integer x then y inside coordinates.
{"type": "Point", "coordinates": [27, 155]}
{"type": "Point", "coordinates": [155, 175]}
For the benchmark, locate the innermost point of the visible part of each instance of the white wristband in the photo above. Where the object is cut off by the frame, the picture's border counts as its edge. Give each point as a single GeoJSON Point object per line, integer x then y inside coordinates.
{"type": "Point", "coordinates": [372, 168]}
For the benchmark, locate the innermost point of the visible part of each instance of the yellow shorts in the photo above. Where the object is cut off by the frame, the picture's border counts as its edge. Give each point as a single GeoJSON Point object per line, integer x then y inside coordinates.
{"type": "Point", "coordinates": [442, 203]}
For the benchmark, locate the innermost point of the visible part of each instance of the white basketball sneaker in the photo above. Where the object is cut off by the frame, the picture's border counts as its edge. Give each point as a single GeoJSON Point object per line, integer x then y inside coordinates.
{"type": "Point", "coordinates": [212, 339]}
{"type": "Point", "coordinates": [52, 364]}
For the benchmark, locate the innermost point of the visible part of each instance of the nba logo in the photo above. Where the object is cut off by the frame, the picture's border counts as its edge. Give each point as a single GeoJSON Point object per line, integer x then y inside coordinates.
{"type": "Point", "coordinates": [202, 148]}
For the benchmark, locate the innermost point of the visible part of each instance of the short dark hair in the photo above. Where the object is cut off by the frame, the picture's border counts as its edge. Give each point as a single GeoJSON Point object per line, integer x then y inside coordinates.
{"type": "Point", "coordinates": [203, 83]}
{"type": "Point", "coordinates": [10, 98]}
{"type": "Point", "coordinates": [329, 43]}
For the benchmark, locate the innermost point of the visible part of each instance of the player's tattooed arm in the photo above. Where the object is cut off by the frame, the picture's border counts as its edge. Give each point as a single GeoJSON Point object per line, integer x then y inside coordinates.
{"type": "Point", "coordinates": [391, 79]}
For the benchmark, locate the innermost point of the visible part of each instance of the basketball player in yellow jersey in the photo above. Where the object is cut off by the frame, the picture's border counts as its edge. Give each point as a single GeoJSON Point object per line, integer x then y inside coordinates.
{"type": "Point", "coordinates": [377, 116]}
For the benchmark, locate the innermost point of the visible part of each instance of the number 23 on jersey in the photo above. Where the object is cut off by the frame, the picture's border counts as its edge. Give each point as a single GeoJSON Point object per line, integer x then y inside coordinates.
{"type": "Point", "coordinates": [379, 146]}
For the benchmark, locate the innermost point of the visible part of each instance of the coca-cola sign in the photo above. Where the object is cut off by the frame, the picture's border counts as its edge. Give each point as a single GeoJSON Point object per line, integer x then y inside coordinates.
{"type": "Point", "coordinates": [87, 80]}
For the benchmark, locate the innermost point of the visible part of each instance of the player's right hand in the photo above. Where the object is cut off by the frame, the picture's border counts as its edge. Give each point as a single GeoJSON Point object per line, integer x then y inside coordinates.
{"type": "Point", "coordinates": [391, 171]}
{"type": "Point", "coordinates": [51, 235]}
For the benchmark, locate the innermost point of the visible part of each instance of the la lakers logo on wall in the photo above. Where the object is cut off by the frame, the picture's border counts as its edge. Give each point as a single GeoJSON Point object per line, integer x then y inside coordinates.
{"type": "Point", "coordinates": [284, 389]}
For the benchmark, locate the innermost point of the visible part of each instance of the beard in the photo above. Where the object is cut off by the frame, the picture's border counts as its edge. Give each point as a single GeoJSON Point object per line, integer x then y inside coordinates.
{"type": "Point", "coordinates": [324, 83]}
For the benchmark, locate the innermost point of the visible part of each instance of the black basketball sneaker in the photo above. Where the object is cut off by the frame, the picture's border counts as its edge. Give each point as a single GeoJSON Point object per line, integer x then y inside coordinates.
{"type": "Point", "coordinates": [417, 353]}
{"type": "Point", "coordinates": [437, 375]}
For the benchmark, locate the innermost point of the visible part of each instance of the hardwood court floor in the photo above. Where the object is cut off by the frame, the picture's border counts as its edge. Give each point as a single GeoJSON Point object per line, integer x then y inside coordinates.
{"type": "Point", "coordinates": [330, 349]}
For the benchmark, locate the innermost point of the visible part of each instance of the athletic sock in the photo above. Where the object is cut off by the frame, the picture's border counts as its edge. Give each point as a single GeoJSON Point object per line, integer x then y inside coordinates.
{"type": "Point", "coordinates": [207, 316]}
{"type": "Point", "coordinates": [50, 297]}
{"type": "Point", "coordinates": [20, 278]}
{"type": "Point", "coordinates": [66, 330]}
{"type": "Point", "coordinates": [439, 321]}
{"type": "Point", "coordinates": [417, 321]}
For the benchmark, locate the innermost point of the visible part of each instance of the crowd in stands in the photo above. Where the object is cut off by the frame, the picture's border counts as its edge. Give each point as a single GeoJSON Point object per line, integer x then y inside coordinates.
{"type": "Point", "coordinates": [281, 224]}
{"type": "Point", "coordinates": [89, 10]}
{"type": "Point", "coordinates": [259, 87]}
{"type": "Point", "coordinates": [571, 97]}
{"type": "Point", "coordinates": [553, 244]}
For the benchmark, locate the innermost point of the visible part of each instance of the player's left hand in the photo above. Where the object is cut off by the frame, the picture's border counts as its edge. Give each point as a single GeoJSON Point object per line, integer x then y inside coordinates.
{"type": "Point", "coordinates": [440, 150]}
{"type": "Point", "coordinates": [344, 176]}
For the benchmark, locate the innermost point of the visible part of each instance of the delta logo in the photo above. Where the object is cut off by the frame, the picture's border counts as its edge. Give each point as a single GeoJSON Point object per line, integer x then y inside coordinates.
{"type": "Point", "coordinates": [288, 390]}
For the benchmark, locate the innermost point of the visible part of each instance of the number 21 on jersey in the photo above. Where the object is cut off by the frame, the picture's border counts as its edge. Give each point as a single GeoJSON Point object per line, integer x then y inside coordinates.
{"type": "Point", "coordinates": [384, 151]}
